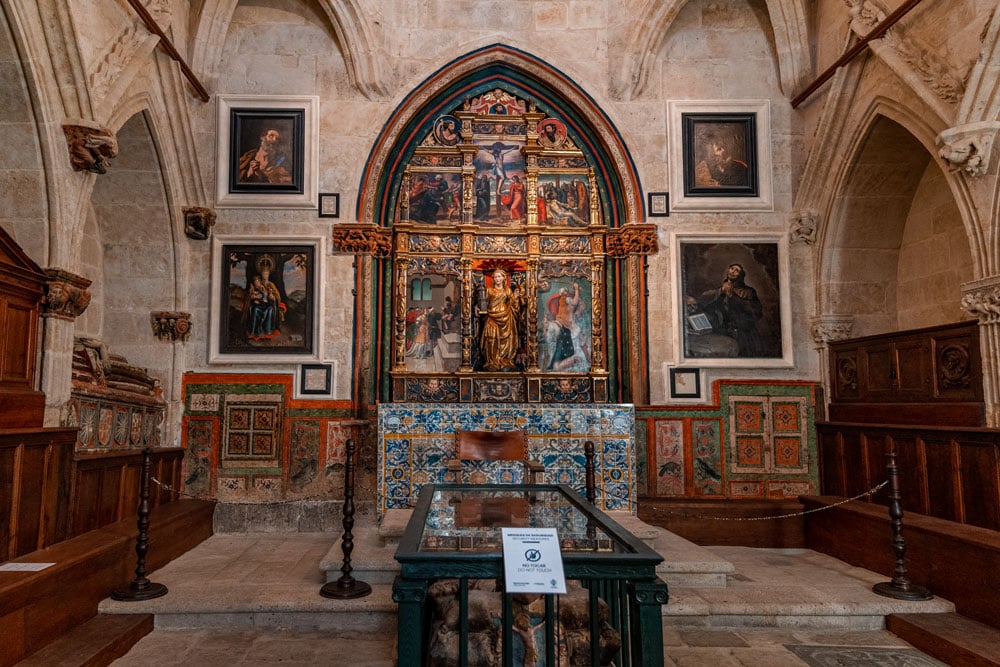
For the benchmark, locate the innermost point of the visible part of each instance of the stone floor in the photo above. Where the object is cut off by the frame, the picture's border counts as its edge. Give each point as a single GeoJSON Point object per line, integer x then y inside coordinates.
{"type": "Point", "coordinates": [252, 599]}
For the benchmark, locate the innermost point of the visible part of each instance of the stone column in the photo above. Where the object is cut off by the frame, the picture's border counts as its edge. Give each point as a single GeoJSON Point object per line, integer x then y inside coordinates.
{"type": "Point", "coordinates": [981, 299]}
{"type": "Point", "coordinates": [825, 330]}
{"type": "Point", "coordinates": [66, 298]}
{"type": "Point", "coordinates": [173, 327]}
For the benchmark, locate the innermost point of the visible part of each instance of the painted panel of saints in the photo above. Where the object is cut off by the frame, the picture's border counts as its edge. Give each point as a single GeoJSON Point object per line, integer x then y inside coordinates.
{"type": "Point", "coordinates": [563, 200]}
{"type": "Point", "coordinates": [564, 325]}
{"type": "Point", "coordinates": [433, 324]}
{"type": "Point", "coordinates": [499, 188]}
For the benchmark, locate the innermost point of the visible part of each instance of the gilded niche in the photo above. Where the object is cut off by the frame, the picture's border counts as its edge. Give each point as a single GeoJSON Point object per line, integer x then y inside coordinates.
{"type": "Point", "coordinates": [499, 260]}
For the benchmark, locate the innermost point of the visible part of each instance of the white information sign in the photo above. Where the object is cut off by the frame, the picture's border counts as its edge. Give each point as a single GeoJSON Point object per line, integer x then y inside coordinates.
{"type": "Point", "coordinates": [532, 561]}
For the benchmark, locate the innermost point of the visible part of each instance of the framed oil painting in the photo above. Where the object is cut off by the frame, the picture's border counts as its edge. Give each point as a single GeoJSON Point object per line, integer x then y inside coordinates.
{"type": "Point", "coordinates": [265, 300]}
{"type": "Point", "coordinates": [267, 148]}
{"type": "Point", "coordinates": [733, 301]}
{"type": "Point", "coordinates": [720, 156]}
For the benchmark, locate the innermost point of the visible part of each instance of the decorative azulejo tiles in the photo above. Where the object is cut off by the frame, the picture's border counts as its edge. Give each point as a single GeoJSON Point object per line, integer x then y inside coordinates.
{"type": "Point", "coordinates": [416, 440]}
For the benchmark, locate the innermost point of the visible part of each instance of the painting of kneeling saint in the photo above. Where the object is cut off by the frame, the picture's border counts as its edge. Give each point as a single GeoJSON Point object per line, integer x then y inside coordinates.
{"type": "Point", "coordinates": [564, 326]}
{"type": "Point", "coordinates": [731, 300]}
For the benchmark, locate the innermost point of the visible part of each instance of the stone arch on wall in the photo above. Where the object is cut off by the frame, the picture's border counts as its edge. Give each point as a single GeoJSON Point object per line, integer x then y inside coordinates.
{"type": "Point", "coordinates": [546, 89]}
{"type": "Point", "coordinates": [895, 251]}
{"type": "Point", "coordinates": [129, 246]}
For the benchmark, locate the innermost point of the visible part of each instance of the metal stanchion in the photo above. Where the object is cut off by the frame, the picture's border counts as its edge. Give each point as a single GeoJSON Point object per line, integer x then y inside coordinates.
{"type": "Point", "coordinates": [900, 587]}
{"type": "Point", "coordinates": [141, 588]}
{"type": "Point", "coordinates": [588, 452]}
{"type": "Point", "coordinates": [347, 587]}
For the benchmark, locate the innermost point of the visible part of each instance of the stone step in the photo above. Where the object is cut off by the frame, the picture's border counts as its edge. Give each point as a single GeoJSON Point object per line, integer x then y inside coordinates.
{"type": "Point", "coordinates": [95, 643]}
{"type": "Point", "coordinates": [275, 607]}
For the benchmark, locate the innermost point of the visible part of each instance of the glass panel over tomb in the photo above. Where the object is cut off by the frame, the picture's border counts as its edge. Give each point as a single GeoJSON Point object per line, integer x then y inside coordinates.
{"type": "Point", "coordinates": [498, 261]}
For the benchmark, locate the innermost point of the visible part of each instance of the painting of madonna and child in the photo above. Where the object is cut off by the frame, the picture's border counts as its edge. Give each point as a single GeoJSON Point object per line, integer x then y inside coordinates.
{"type": "Point", "coordinates": [270, 296]}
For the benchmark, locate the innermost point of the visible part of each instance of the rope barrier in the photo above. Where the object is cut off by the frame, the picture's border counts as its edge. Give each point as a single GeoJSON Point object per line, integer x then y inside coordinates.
{"type": "Point", "coordinates": [790, 515]}
{"type": "Point", "coordinates": [409, 499]}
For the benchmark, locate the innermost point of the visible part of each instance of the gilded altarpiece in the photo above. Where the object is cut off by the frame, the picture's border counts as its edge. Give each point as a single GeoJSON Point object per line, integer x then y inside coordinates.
{"type": "Point", "coordinates": [498, 262]}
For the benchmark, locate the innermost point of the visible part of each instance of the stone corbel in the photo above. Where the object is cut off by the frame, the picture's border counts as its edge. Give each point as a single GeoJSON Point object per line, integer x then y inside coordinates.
{"type": "Point", "coordinates": [91, 147]}
{"type": "Point", "coordinates": [362, 239]}
{"type": "Point", "coordinates": [829, 328]}
{"type": "Point", "coordinates": [170, 326]}
{"type": "Point", "coordinates": [968, 147]}
{"type": "Point", "coordinates": [198, 222]}
{"type": "Point", "coordinates": [981, 299]}
{"type": "Point", "coordinates": [66, 295]}
{"type": "Point", "coordinates": [632, 239]}
{"type": "Point", "coordinates": [803, 227]}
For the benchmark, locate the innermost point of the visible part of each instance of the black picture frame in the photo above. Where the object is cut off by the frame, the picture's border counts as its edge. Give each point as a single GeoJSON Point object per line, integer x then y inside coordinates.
{"type": "Point", "coordinates": [249, 328]}
{"type": "Point", "coordinates": [247, 127]}
{"type": "Point", "coordinates": [329, 205]}
{"type": "Point", "coordinates": [720, 154]}
{"type": "Point", "coordinates": [658, 204]}
{"type": "Point", "coordinates": [315, 379]}
{"type": "Point", "coordinates": [685, 383]}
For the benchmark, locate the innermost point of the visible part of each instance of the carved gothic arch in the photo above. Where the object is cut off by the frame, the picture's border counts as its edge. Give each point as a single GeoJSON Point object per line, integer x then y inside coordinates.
{"type": "Point", "coordinates": [835, 224]}
{"type": "Point", "coordinates": [536, 79]}
{"type": "Point", "coordinates": [789, 23]}
{"type": "Point", "coordinates": [347, 19]}
{"type": "Point", "coordinates": [543, 90]}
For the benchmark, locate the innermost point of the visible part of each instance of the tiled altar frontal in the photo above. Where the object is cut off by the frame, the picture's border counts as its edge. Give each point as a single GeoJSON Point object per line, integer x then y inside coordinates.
{"type": "Point", "coordinates": [416, 440]}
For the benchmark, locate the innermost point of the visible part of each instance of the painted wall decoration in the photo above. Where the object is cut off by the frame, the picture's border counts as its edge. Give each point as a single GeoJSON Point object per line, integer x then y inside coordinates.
{"type": "Point", "coordinates": [264, 299]}
{"type": "Point", "coordinates": [249, 440]}
{"type": "Point", "coordinates": [754, 440]}
{"type": "Point", "coordinates": [734, 303]}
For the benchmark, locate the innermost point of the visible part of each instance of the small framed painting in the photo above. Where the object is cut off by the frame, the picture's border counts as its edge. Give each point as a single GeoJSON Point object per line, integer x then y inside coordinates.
{"type": "Point", "coordinates": [267, 147]}
{"type": "Point", "coordinates": [685, 383]}
{"type": "Point", "coordinates": [720, 155]}
{"type": "Point", "coordinates": [658, 204]}
{"type": "Point", "coordinates": [265, 299]}
{"type": "Point", "coordinates": [314, 381]}
{"type": "Point", "coordinates": [329, 205]}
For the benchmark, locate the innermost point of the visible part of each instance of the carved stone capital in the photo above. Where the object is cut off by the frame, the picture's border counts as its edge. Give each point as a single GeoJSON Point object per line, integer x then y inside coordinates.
{"type": "Point", "coordinates": [170, 326]}
{"type": "Point", "coordinates": [829, 328]}
{"type": "Point", "coordinates": [66, 295]}
{"type": "Point", "coordinates": [91, 147]}
{"type": "Point", "coordinates": [981, 299]}
{"type": "Point", "coordinates": [632, 239]}
{"type": "Point", "coordinates": [198, 222]}
{"type": "Point", "coordinates": [968, 147]}
{"type": "Point", "coordinates": [803, 226]}
{"type": "Point", "coordinates": [362, 239]}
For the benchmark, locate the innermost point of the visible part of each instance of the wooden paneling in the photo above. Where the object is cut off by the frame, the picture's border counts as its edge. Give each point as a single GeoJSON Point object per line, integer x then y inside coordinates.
{"type": "Point", "coordinates": [106, 489]}
{"type": "Point", "coordinates": [924, 376]}
{"type": "Point", "coordinates": [36, 474]}
{"type": "Point", "coordinates": [948, 473]}
{"type": "Point", "coordinates": [38, 607]}
{"type": "Point", "coordinates": [21, 290]}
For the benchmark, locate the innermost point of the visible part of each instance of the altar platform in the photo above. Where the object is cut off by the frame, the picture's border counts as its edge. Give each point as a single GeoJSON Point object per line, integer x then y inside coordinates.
{"type": "Point", "coordinates": [253, 599]}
